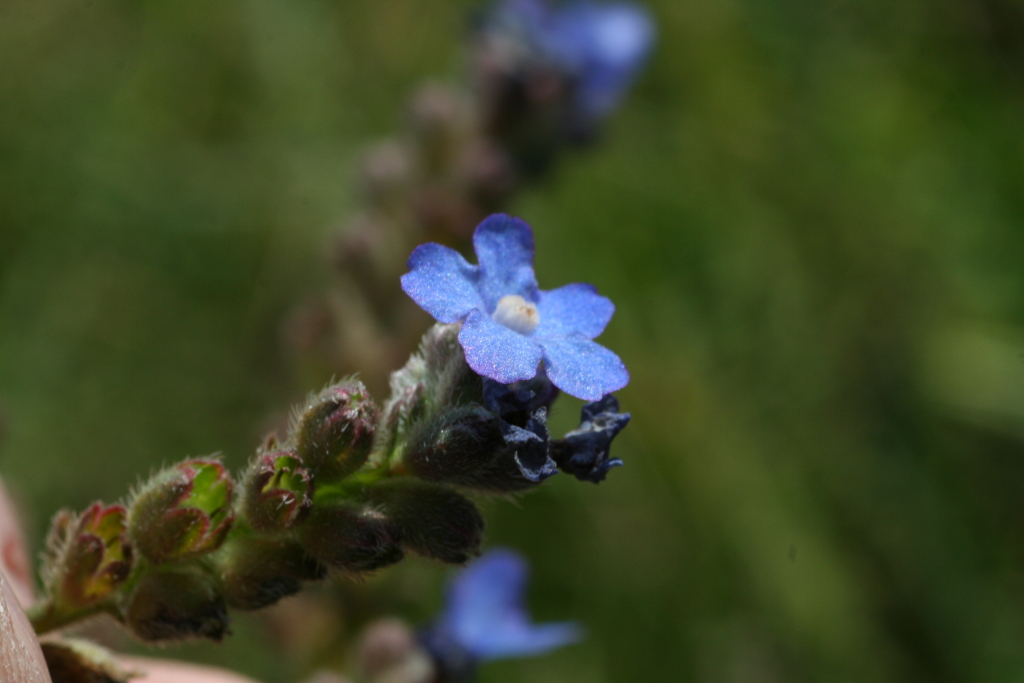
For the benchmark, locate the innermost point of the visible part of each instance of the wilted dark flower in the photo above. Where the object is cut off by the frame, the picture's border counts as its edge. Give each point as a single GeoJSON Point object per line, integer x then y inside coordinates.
{"type": "Point", "coordinates": [585, 451]}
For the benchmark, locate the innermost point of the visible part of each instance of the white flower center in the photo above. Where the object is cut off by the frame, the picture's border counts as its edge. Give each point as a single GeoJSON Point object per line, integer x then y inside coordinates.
{"type": "Point", "coordinates": [516, 313]}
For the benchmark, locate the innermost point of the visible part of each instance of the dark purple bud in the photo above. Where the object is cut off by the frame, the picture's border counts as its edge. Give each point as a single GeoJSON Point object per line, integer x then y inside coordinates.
{"type": "Point", "coordinates": [182, 512]}
{"type": "Point", "coordinates": [351, 538]}
{"type": "Point", "coordinates": [176, 603]}
{"type": "Point", "coordinates": [334, 432]}
{"type": "Point", "coordinates": [88, 555]}
{"type": "Point", "coordinates": [277, 492]}
{"type": "Point", "coordinates": [434, 521]}
{"type": "Point", "coordinates": [257, 572]}
{"type": "Point", "coordinates": [585, 452]}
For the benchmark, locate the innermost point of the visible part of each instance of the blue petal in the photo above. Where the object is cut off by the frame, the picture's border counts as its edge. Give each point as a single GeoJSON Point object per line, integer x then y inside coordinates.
{"type": "Point", "coordinates": [485, 613]}
{"type": "Point", "coordinates": [495, 351]}
{"type": "Point", "coordinates": [521, 639]}
{"type": "Point", "coordinates": [605, 45]}
{"type": "Point", "coordinates": [486, 590]}
{"type": "Point", "coordinates": [442, 282]}
{"type": "Point", "coordinates": [575, 309]}
{"type": "Point", "coordinates": [583, 368]}
{"type": "Point", "coordinates": [504, 248]}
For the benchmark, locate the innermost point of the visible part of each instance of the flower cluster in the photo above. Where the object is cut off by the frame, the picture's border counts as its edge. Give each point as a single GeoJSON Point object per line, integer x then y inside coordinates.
{"type": "Point", "coordinates": [354, 487]}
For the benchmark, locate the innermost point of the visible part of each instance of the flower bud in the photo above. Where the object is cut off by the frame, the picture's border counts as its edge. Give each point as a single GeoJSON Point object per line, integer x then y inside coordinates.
{"type": "Point", "coordinates": [257, 572]}
{"type": "Point", "coordinates": [88, 555]}
{"type": "Point", "coordinates": [433, 521]}
{"type": "Point", "coordinates": [350, 538]}
{"type": "Point", "coordinates": [277, 492]}
{"type": "Point", "coordinates": [454, 446]}
{"type": "Point", "coordinates": [334, 432]}
{"type": "Point", "coordinates": [182, 512]}
{"type": "Point", "coordinates": [177, 603]}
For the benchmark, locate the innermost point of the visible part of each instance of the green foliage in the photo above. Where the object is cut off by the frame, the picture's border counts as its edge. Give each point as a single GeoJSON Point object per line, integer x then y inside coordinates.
{"type": "Point", "coordinates": [809, 217]}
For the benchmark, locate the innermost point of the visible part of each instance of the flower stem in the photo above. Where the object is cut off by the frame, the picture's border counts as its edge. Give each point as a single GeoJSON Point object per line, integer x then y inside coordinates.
{"type": "Point", "coordinates": [47, 616]}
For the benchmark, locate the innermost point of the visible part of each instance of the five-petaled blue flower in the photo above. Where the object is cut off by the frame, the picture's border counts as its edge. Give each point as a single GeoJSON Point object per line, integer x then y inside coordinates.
{"type": "Point", "coordinates": [484, 618]}
{"type": "Point", "coordinates": [509, 325]}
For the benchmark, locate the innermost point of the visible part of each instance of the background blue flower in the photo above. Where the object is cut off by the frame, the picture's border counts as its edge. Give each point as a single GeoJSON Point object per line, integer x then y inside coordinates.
{"type": "Point", "coordinates": [509, 325]}
{"type": "Point", "coordinates": [484, 618]}
{"type": "Point", "coordinates": [600, 46]}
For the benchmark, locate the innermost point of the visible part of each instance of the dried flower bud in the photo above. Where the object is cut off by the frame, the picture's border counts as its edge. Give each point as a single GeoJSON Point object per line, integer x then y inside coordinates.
{"type": "Point", "coordinates": [177, 603]}
{"type": "Point", "coordinates": [350, 538]}
{"type": "Point", "coordinates": [277, 492]}
{"type": "Point", "coordinates": [334, 432]}
{"type": "Point", "coordinates": [182, 512]}
{"type": "Point", "coordinates": [88, 555]}
{"type": "Point", "coordinates": [433, 521]}
{"type": "Point", "coordinates": [257, 572]}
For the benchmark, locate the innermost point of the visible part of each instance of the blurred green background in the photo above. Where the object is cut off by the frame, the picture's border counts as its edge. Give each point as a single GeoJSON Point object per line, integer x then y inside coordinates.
{"type": "Point", "coordinates": [808, 213]}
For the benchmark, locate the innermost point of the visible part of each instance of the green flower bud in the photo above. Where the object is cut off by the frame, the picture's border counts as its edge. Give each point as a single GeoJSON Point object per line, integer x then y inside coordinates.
{"type": "Point", "coordinates": [351, 538]}
{"type": "Point", "coordinates": [88, 555]}
{"type": "Point", "coordinates": [177, 603]}
{"type": "Point", "coordinates": [257, 572]}
{"type": "Point", "coordinates": [433, 521]}
{"type": "Point", "coordinates": [277, 492]}
{"type": "Point", "coordinates": [334, 433]}
{"type": "Point", "coordinates": [182, 512]}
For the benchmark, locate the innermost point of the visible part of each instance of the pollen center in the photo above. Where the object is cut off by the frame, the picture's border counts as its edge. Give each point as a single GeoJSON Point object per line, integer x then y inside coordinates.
{"type": "Point", "coordinates": [516, 313]}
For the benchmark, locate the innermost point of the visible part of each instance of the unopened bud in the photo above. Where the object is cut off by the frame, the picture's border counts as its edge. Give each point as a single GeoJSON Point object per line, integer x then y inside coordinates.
{"type": "Point", "coordinates": [257, 572]}
{"type": "Point", "coordinates": [177, 603]}
{"type": "Point", "coordinates": [88, 555]}
{"type": "Point", "coordinates": [183, 512]}
{"type": "Point", "coordinates": [433, 521]}
{"type": "Point", "coordinates": [350, 538]}
{"type": "Point", "coordinates": [454, 446]}
{"type": "Point", "coordinates": [334, 432]}
{"type": "Point", "coordinates": [277, 492]}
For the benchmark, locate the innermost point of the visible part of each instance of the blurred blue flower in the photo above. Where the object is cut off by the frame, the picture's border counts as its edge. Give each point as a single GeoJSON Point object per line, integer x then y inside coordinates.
{"type": "Point", "coordinates": [585, 451]}
{"type": "Point", "coordinates": [484, 618]}
{"type": "Point", "coordinates": [601, 46]}
{"type": "Point", "coordinates": [509, 325]}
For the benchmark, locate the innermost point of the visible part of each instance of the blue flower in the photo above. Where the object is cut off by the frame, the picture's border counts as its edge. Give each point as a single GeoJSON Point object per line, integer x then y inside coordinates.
{"type": "Point", "coordinates": [522, 411]}
{"type": "Point", "coordinates": [484, 618]}
{"type": "Point", "coordinates": [601, 46]}
{"type": "Point", "coordinates": [509, 325]}
{"type": "Point", "coordinates": [585, 451]}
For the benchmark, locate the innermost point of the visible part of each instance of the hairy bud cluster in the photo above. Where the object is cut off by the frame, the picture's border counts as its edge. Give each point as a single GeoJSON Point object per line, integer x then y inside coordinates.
{"type": "Point", "coordinates": [351, 489]}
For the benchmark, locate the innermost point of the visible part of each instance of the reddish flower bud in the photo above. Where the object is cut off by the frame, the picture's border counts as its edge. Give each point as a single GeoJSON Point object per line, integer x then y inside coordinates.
{"type": "Point", "coordinates": [334, 433]}
{"type": "Point", "coordinates": [277, 492]}
{"type": "Point", "coordinates": [182, 512]}
{"type": "Point", "coordinates": [88, 555]}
